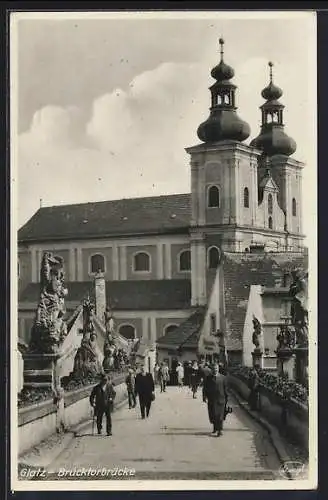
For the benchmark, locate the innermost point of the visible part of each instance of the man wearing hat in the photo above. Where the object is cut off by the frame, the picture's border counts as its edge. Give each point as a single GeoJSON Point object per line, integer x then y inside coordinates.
{"type": "Point", "coordinates": [130, 386]}
{"type": "Point", "coordinates": [216, 395]}
{"type": "Point", "coordinates": [102, 400]}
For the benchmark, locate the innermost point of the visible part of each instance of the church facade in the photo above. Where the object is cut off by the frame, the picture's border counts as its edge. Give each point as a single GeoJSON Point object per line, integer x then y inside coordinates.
{"type": "Point", "coordinates": [164, 257]}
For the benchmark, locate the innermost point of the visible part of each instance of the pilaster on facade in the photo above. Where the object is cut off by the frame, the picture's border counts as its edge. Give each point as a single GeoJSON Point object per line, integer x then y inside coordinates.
{"type": "Point", "coordinates": [253, 193]}
{"type": "Point", "coordinates": [123, 263]}
{"type": "Point", "coordinates": [168, 261]}
{"type": "Point", "coordinates": [160, 267]}
{"type": "Point", "coordinates": [72, 275]}
{"type": "Point", "coordinates": [201, 195]}
{"type": "Point", "coordinates": [79, 264]}
{"type": "Point", "coordinates": [145, 330]}
{"type": "Point", "coordinates": [153, 329]}
{"type": "Point", "coordinates": [198, 266]}
{"type": "Point", "coordinates": [194, 192]}
{"type": "Point", "coordinates": [34, 266]}
{"type": "Point", "coordinates": [115, 262]}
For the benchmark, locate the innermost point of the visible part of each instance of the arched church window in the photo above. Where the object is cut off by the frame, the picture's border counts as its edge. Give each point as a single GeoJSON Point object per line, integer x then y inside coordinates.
{"type": "Point", "coordinates": [213, 257]}
{"type": "Point", "coordinates": [246, 198]}
{"type": "Point", "coordinates": [185, 261]}
{"type": "Point", "coordinates": [270, 204]}
{"type": "Point", "coordinates": [270, 222]}
{"type": "Point", "coordinates": [97, 263]}
{"type": "Point", "coordinates": [213, 197]}
{"type": "Point", "coordinates": [127, 331]}
{"type": "Point", "coordinates": [141, 262]}
{"type": "Point", "coordinates": [226, 99]}
{"type": "Point", "coordinates": [294, 210]}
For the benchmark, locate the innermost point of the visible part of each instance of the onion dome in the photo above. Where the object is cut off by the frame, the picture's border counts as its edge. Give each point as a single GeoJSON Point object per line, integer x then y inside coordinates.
{"type": "Point", "coordinates": [222, 71]}
{"type": "Point", "coordinates": [223, 123]}
{"type": "Point", "coordinates": [272, 139]}
{"type": "Point", "coordinates": [271, 92]}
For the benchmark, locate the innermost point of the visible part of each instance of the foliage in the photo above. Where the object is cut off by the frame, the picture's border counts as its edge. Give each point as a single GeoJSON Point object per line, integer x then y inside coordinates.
{"type": "Point", "coordinates": [28, 397]}
{"type": "Point", "coordinates": [279, 385]}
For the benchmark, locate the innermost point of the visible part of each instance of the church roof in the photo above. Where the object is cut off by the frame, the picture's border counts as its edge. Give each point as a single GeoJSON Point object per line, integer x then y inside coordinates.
{"type": "Point", "coordinates": [128, 216]}
{"type": "Point", "coordinates": [243, 270]}
{"type": "Point", "coordinates": [187, 333]}
{"type": "Point", "coordinates": [129, 295]}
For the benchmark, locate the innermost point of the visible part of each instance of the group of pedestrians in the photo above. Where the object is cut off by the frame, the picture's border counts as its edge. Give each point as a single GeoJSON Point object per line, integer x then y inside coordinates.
{"type": "Point", "coordinates": [141, 385]}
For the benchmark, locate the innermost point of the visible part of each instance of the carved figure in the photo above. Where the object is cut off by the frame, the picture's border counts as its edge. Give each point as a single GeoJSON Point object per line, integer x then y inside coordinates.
{"type": "Point", "coordinates": [286, 337]}
{"type": "Point", "coordinates": [87, 360]}
{"type": "Point", "coordinates": [109, 321]}
{"type": "Point", "coordinates": [257, 330]}
{"type": "Point", "coordinates": [49, 328]}
{"type": "Point", "coordinates": [299, 307]}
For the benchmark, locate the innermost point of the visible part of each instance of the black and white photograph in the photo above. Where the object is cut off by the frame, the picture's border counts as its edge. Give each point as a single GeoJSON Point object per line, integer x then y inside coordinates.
{"type": "Point", "coordinates": [163, 250]}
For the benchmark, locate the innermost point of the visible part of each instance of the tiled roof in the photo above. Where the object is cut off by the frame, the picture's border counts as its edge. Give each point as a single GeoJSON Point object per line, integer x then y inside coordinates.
{"type": "Point", "coordinates": [243, 270]}
{"type": "Point", "coordinates": [155, 214]}
{"type": "Point", "coordinates": [172, 294]}
{"type": "Point", "coordinates": [187, 333]}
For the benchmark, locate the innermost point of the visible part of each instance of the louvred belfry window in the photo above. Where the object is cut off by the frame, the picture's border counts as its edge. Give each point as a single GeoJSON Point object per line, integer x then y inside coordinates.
{"type": "Point", "coordinates": [270, 204]}
{"type": "Point", "coordinates": [213, 197]}
{"type": "Point", "coordinates": [294, 207]}
{"type": "Point", "coordinates": [246, 198]}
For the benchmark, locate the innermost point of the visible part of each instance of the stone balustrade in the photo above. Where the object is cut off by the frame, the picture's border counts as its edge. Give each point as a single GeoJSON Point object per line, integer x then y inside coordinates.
{"type": "Point", "coordinates": [38, 422]}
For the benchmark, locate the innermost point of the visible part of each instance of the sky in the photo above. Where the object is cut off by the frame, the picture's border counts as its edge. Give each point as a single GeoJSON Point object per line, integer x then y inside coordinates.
{"type": "Point", "coordinates": [103, 108]}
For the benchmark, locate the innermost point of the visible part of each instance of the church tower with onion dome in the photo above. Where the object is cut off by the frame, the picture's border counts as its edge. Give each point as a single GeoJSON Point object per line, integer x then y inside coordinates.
{"type": "Point", "coordinates": [276, 148]}
{"type": "Point", "coordinates": [244, 197]}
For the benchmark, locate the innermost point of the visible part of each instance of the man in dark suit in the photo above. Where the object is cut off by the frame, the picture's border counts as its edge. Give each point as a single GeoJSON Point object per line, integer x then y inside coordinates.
{"type": "Point", "coordinates": [144, 388]}
{"type": "Point", "coordinates": [102, 400]}
{"type": "Point", "coordinates": [216, 395]}
{"type": "Point", "coordinates": [205, 372]}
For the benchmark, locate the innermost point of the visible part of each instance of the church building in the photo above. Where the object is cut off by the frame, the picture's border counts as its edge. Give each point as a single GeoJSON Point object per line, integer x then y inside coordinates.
{"type": "Point", "coordinates": [179, 267]}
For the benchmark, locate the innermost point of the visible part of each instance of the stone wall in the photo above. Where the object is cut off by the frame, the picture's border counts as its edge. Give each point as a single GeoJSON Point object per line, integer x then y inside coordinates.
{"type": "Point", "coordinates": [38, 422]}
{"type": "Point", "coordinates": [290, 417]}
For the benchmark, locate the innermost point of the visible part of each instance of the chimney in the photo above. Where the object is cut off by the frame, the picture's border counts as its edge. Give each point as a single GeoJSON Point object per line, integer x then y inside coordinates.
{"type": "Point", "coordinates": [100, 294]}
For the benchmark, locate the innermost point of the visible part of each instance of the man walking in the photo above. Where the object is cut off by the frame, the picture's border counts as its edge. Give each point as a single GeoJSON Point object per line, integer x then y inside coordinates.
{"type": "Point", "coordinates": [216, 395]}
{"type": "Point", "coordinates": [164, 375]}
{"type": "Point", "coordinates": [102, 400]}
{"type": "Point", "coordinates": [206, 371]}
{"type": "Point", "coordinates": [130, 385]}
{"type": "Point", "coordinates": [144, 388]}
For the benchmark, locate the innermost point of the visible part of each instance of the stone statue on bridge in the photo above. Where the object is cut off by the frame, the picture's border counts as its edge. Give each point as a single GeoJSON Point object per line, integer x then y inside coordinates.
{"type": "Point", "coordinates": [87, 362]}
{"type": "Point", "coordinates": [299, 306]}
{"type": "Point", "coordinates": [257, 330]}
{"type": "Point", "coordinates": [49, 329]}
{"type": "Point", "coordinates": [286, 338]}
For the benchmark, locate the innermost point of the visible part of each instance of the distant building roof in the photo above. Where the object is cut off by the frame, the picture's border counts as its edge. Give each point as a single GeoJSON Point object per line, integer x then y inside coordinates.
{"type": "Point", "coordinates": [187, 333]}
{"type": "Point", "coordinates": [246, 269]}
{"type": "Point", "coordinates": [131, 216]}
{"type": "Point", "coordinates": [127, 295]}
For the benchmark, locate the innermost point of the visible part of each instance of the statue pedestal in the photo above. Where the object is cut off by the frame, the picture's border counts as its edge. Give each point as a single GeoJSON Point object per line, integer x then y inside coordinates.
{"type": "Point", "coordinates": [257, 356]}
{"type": "Point", "coordinates": [286, 362]}
{"type": "Point", "coordinates": [39, 370]}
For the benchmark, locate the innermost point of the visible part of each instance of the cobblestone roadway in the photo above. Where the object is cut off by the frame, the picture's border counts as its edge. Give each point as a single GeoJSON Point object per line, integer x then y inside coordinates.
{"type": "Point", "coordinates": [175, 442]}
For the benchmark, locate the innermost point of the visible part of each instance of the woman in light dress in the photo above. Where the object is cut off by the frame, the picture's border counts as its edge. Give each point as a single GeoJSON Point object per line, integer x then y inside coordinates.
{"type": "Point", "coordinates": [180, 372]}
